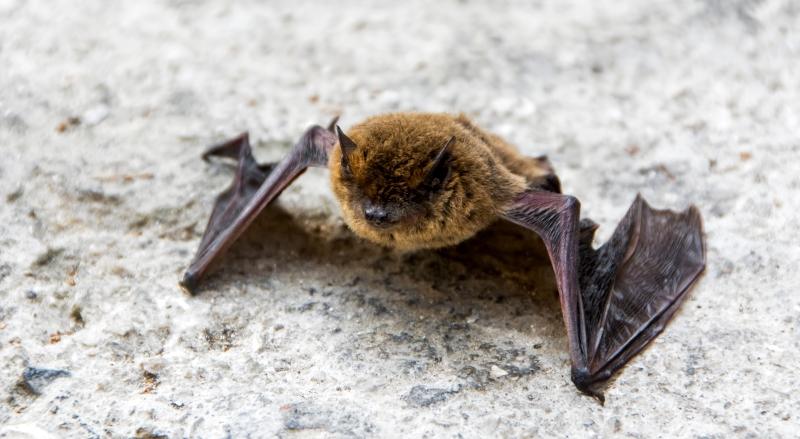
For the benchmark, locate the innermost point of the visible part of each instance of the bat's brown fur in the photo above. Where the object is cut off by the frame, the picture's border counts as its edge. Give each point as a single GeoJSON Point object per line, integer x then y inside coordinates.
{"type": "Point", "coordinates": [393, 154]}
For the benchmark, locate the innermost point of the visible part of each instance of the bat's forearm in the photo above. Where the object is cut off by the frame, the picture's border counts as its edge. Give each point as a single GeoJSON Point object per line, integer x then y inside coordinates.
{"type": "Point", "coordinates": [555, 218]}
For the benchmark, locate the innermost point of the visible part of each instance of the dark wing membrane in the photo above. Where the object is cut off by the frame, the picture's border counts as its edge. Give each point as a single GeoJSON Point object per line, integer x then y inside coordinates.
{"type": "Point", "coordinates": [635, 282]}
{"type": "Point", "coordinates": [249, 177]}
{"type": "Point", "coordinates": [253, 188]}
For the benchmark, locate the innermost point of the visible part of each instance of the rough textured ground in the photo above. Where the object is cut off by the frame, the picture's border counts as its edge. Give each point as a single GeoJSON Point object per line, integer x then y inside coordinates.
{"type": "Point", "coordinates": [307, 331]}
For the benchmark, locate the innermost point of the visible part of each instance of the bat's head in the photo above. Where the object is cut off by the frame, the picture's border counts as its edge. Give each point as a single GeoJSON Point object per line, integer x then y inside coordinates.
{"type": "Point", "coordinates": [415, 180]}
{"type": "Point", "coordinates": [390, 189]}
{"type": "Point", "coordinates": [398, 185]}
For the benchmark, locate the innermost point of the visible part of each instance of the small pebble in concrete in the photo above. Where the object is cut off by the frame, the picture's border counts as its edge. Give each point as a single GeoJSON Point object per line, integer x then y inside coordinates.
{"type": "Point", "coordinates": [34, 379]}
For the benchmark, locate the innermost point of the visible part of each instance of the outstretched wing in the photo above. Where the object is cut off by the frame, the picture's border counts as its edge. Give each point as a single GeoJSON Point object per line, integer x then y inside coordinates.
{"type": "Point", "coordinates": [635, 282]}
{"type": "Point", "coordinates": [253, 188]}
{"type": "Point", "coordinates": [617, 298]}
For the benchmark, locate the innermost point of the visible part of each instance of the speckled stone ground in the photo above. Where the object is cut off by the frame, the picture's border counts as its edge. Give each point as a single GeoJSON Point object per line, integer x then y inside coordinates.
{"type": "Point", "coordinates": [307, 331]}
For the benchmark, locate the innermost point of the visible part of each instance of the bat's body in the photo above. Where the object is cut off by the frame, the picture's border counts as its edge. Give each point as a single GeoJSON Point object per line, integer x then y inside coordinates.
{"type": "Point", "coordinates": [413, 181]}
{"type": "Point", "coordinates": [485, 174]}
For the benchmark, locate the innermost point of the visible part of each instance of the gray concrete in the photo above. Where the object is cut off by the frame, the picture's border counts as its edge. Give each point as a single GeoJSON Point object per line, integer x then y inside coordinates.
{"type": "Point", "coordinates": [307, 331]}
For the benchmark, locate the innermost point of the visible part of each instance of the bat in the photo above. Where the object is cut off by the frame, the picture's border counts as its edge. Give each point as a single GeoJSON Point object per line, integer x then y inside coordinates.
{"type": "Point", "coordinates": [415, 180]}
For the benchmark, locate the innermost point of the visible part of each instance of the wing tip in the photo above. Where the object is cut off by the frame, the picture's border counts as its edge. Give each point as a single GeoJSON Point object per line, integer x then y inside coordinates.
{"type": "Point", "coordinates": [690, 218]}
{"type": "Point", "coordinates": [221, 149]}
{"type": "Point", "coordinates": [691, 212]}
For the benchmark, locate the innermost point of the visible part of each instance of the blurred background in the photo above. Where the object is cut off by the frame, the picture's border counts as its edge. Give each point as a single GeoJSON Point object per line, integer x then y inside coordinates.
{"type": "Point", "coordinates": [105, 108]}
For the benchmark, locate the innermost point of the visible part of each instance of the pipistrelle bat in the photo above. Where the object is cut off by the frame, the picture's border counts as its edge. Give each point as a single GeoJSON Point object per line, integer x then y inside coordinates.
{"type": "Point", "coordinates": [416, 180]}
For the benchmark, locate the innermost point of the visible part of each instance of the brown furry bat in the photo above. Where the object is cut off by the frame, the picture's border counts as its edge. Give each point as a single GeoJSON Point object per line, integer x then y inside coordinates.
{"type": "Point", "coordinates": [415, 180]}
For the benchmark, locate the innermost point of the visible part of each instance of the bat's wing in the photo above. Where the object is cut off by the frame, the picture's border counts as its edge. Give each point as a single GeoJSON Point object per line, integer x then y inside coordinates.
{"type": "Point", "coordinates": [617, 298]}
{"type": "Point", "coordinates": [254, 187]}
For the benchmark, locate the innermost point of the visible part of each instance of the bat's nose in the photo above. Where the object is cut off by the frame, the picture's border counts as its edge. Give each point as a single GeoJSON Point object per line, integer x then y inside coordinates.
{"type": "Point", "coordinates": [377, 215]}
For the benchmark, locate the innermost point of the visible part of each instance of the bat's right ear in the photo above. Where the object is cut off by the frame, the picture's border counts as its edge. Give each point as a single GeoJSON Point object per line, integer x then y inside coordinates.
{"type": "Point", "coordinates": [347, 145]}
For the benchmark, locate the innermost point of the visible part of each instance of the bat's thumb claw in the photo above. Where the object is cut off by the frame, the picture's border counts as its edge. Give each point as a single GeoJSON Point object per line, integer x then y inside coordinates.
{"type": "Point", "coordinates": [332, 124]}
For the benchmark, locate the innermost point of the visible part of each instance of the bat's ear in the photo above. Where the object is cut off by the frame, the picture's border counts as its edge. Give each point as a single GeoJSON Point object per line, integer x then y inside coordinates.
{"type": "Point", "coordinates": [439, 170]}
{"type": "Point", "coordinates": [347, 145]}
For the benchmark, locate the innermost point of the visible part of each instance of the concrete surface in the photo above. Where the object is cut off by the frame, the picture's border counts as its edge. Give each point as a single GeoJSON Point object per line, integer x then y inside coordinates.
{"type": "Point", "coordinates": [308, 332]}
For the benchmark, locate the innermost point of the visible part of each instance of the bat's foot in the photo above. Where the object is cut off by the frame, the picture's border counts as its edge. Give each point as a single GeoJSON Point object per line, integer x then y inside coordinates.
{"type": "Point", "coordinates": [547, 182]}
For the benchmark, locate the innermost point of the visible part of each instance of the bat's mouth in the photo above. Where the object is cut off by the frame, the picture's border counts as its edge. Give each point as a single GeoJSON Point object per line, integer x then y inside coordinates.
{"type": "Point", "coordinates": [401, 221]}
{"type": "Point", "coordinates": [381, 225]}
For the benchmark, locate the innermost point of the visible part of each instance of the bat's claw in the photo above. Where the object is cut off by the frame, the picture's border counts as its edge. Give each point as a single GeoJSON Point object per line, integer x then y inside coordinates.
{"type": "Point", "coordinates": [332, 124]}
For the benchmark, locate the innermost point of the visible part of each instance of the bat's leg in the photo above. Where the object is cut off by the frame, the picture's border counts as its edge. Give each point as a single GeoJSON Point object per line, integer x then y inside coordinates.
{"type": "Point", "coordinates": [540, 174]}
{"type": "Point", "coordinates": [617, 298]}
{"type": "Point", "coordinates": [548, 182]}
{"type": "Point", "coordinates": [253, 188]}
{"type": "Point", "coordinates": [538, 171]}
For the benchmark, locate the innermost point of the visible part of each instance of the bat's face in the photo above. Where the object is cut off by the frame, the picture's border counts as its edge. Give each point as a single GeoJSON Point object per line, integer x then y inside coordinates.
{"type": "Point", "coordinates": [412, 181]}
{"type": "Point", "coordinates": [388, 192]}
